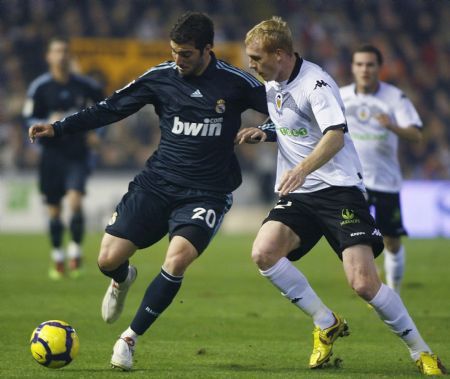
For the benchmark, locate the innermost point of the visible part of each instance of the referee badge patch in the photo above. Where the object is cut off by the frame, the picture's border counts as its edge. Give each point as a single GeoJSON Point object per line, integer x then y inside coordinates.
{"type": "Point", "coordinates": [220, 106]}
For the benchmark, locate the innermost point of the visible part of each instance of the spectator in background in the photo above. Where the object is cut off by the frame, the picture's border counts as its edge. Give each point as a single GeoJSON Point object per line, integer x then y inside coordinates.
{"type": "Point", "coordinates": [378, 115]}
{"type": "Point", "coordinates": [64, 163]}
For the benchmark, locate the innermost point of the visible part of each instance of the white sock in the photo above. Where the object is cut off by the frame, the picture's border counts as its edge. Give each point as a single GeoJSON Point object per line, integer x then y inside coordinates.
{"type": "Point", "coordinates": [294, 286]}
{"type": "Point", "coordinates": [392, 311]}
{"type": "Point", "coordinates": [130, 334]}
{"type": "Point", "coordinates": [394, 267]}
{"type": "Point", "coordinates": [73, 250]}
{"type": "Point", "coordinates": [57, 255]}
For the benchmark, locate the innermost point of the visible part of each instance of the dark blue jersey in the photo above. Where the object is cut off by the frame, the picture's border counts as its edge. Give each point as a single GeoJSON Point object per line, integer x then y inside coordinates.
{"type": "Point", "coordinates": [47, 96]}
{"type": "Point", "coordinates": [199, 119]}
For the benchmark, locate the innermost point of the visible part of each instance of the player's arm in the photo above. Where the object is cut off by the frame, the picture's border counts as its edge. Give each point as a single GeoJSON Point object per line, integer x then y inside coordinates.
{"type": "Point", "coordinates": [327, 148]}
{"type": "Point", "coordinates": [407, 124]}
{"type": "Point", "coordinates": [411, 133]}
{"type": "Point", "coordinates": [121, 104]}
{"type": "Point", "coordinates": [261, 133]}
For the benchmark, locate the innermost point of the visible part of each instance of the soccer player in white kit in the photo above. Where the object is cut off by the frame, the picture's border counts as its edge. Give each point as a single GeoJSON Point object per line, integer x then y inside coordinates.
{"type": "Point", "coordinates": [320, 188]}
{"type": "Point", "coordinates": [378, 114]}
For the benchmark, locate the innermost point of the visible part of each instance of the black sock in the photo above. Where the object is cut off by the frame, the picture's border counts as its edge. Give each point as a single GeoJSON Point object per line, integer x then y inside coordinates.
{"type": "Point", "coordinates": [119, 274]}
{"type": "Point", "coordinates": [56, 232]}
{"type": "Point", "coordinates": [77, 227]}
{"type": "Point", "coordinates": [157, 298]}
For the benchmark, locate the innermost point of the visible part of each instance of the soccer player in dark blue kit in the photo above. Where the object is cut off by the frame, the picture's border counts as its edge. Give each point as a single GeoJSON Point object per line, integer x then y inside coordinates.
{"type": "Point", "coordinates": [65, 163]}
{"type": "Point", "coordinates": [185, 187]}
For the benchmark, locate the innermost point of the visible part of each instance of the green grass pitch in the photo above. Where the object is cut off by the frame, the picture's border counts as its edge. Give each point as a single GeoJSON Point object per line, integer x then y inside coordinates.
{"type": "Point", "coordinates": [226, 322]}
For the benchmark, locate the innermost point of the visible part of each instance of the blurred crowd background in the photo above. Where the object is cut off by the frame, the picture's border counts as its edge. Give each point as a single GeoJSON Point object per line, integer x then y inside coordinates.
{"type": "Point", "coordinates": [413, 35]}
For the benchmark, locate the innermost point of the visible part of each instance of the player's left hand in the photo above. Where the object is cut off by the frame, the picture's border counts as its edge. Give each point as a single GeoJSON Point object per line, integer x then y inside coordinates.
{"type": "Point", "coordinates": [291, 180]}
{"type": "Point", "coordinates": [250, 135]}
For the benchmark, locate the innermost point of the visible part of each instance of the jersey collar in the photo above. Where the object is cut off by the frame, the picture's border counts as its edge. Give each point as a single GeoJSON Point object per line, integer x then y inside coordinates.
{"type": "Point", "coordinates": [297, 67]}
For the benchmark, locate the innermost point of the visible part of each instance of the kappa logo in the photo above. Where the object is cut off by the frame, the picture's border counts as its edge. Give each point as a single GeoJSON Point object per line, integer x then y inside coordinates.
{"type": "Point", "coordinates": [406, 332]}
{"type": "Point", "coordinates": [196, 93]}
{"type": "Point", "coordinates": [321, 83]}
{"type": "Point", "coordinates": [376, 232]}
{"type": "Point", "coordinates": [209, 127]}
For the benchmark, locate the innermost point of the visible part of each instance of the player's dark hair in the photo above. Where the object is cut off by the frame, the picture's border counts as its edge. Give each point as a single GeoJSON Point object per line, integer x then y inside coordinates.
{"type": "Point", "coordinates": [369, 49]}
{"type": "Point", "coordinates": [193, 27]}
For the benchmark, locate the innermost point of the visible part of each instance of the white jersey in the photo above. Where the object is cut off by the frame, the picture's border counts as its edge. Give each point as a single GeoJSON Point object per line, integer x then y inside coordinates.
{"type": "Point", "coordinates": [376, 145]}
{"type": "Point", "coordinates": [302, 110]}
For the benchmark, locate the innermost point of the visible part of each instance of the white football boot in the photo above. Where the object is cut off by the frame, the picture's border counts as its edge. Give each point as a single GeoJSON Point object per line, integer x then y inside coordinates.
{"type": "Point", "coordinates": [115, 295]}
{"type": "Point", "coordinates": [123, 351]}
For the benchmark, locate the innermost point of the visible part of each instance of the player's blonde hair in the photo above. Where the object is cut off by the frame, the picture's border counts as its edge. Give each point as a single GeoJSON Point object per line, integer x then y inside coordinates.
{"type": "Point", "coordinates": [273, 34]}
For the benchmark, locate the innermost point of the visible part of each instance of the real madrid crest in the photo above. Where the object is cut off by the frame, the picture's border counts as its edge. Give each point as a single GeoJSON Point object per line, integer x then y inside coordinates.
{"type": "Point", "coordinates": [279, 101]}
{"type": "Point", "coordinates": [220, 106]}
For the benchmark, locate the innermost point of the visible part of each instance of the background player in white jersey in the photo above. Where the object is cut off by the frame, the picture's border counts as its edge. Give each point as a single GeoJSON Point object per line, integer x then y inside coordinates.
{"type": "Point", "coordinates": [320, 191]}
{"type": "Point", "coordinates": [378, 114]}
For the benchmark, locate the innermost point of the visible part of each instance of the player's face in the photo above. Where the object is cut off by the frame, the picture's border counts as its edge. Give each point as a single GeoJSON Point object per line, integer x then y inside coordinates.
{"type": "Point", "coordinates": [365, 69]}
{"type": "Point", "coordinates": [58, 55]}
{"type": "Point", "coordinates": [263, 63]}
{"type": "Point", "coordinates": [189, 59]}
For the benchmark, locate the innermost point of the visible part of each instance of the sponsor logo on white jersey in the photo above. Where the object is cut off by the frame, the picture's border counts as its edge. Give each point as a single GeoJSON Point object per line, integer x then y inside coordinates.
{"type": "Point", "coordinates": [209, 127]}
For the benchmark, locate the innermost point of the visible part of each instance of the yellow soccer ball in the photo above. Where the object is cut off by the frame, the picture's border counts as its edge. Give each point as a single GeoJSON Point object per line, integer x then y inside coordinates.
{"type": "Point", "coordinates": [54, 344]}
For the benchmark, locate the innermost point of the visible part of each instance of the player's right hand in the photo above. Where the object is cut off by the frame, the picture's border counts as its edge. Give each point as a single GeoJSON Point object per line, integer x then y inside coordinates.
{"type": "Point", "coordinates": [250, 135]}
{"type": "Point", "coordinates": [40, 130]}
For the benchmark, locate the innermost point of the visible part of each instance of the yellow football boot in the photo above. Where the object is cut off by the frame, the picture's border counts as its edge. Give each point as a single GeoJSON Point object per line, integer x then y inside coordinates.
{"type": "Point", "coordinates": [324, 339]}
{"type": "Point", "coordinates": [430, 364]}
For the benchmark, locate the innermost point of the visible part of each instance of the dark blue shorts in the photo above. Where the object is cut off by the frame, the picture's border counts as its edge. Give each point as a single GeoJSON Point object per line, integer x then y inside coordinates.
{"type": "Point", "coordinates": [145, 216]}
{"type": "Point", "coordinates": [340, 214]}
{"type": "Point", "coordinates": [58, 174]}
{"type": "Point", "coordinates": [388, 215]}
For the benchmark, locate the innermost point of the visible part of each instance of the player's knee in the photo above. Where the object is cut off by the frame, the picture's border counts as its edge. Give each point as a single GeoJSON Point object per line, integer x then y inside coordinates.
{"type": "Point", "coordinates": [365, 289]}
{"type": "Point", "coordinates": [263, 256]}
{"type": "Point", "coordinates": [177, 264]}
{"type": "Point", "coordinates": [106, 259]}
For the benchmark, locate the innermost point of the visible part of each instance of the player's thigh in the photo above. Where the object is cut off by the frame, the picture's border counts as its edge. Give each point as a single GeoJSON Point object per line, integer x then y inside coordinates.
{"type": "Point", "coordinates": [141, 217]}
{"type": "Point", "coordinates": [346, 220]}
{"type": "Point", "coordinates": [388, 213]}
{"type": "Point", "coordinates": [294, 212]}
{"type": "Point", "coordinates": [198, 218]}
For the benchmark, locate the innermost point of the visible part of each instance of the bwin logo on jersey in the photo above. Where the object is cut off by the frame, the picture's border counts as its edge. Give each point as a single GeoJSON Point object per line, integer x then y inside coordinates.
{"type": "Point", "coordinates": [209, 127]}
